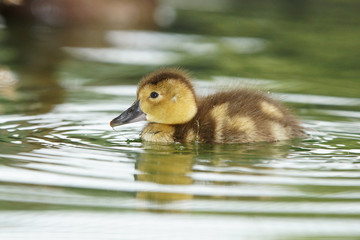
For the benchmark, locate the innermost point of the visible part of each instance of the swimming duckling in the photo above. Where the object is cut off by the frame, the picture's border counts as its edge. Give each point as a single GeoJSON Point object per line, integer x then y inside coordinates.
{"type": "Point", "coordinates": [167, 100]}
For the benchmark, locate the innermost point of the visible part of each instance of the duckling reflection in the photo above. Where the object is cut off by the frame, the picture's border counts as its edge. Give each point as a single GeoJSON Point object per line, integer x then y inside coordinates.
{"type": "Point", "coordinates": [174, 164]}
{"type": "Point", "coordinates": [228, 155]}
{"type": "Point", "coordinates": [165, 165]}
{"type": "Point", "coordinates": [8, 82]}
{"type": "Point", "coordinates": [167, 100]}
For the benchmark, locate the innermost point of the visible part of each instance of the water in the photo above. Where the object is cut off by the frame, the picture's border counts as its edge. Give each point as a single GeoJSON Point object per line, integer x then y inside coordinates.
{"type": "Point", "coordinates": [64, 173]}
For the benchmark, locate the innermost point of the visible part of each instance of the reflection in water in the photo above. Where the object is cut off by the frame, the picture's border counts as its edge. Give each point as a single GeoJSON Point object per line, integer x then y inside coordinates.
{"type": "Point", "coordinates": [180, 164]}
{"type": "Point", "coordinates": [35, 64]}
{"type": "Point", "coordinates": [37, 30]}
{"type": "Point", "coordinates": [30, 93]}
{"type": "Point", "coordinates": [162, 164]}
{"type": "Point", "coordinates": [8, 82]}
{"type": "Point", "coordinates": [295, 9]}
{"type": "Point", "coordinates": [44, 92]}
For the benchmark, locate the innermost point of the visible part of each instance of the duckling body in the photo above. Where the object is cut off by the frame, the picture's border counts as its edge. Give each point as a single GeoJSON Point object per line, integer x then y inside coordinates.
{"type": "Point", "coordinates": [167, 99]}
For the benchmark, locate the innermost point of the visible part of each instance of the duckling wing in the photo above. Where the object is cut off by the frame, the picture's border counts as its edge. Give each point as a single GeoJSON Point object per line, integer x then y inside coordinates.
{"type": "Point", "coordinates": [242, 116]}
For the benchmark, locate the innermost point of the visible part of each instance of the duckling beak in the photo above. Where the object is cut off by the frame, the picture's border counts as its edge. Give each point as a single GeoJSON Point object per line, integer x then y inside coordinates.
{"type": "Point", "coordinates": [132, 114]}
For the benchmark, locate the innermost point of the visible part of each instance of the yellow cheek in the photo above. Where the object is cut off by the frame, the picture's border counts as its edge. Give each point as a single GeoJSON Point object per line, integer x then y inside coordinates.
{"type": "Point", "coordinates": [169, 112]}
{"type": "Point", "coordinates": [175, 105]}
{"type": "Point", "coordinates": [154, 111]}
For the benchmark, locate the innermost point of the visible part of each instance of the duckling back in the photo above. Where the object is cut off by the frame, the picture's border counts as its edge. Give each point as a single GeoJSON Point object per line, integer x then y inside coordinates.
{"type": "Point", "coordinates": [239, 116]}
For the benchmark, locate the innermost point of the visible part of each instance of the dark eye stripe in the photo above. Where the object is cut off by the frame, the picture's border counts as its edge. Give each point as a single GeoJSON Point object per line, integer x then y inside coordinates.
{"type": "Point", "coordinates": [154, 95]}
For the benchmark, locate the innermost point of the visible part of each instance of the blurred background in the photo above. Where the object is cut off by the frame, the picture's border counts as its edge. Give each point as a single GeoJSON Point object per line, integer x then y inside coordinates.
{"type": "Point", "coordinates": [311, 42]}
{"type": "Point", "coordinates": [67, 67]}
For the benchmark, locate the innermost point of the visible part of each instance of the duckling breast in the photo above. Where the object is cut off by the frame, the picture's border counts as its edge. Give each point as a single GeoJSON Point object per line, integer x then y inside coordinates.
{"type": "Point", "coordinates": [160, 133]}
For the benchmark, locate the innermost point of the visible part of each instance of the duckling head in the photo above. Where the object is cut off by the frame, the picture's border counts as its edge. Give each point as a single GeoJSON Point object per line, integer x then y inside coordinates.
{"type": "Point", "coordinates": [166, 97]}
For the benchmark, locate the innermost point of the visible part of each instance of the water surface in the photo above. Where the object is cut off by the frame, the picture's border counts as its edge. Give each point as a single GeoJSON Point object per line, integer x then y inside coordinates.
{"type": "Point", "coordinates": [64, 173]}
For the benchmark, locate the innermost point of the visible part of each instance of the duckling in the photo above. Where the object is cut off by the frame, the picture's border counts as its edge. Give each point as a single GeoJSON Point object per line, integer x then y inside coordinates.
{"type": "Point", "coordinates": [167, 99]}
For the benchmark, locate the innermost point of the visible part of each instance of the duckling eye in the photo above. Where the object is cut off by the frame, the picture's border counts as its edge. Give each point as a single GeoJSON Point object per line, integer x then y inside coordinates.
{"type": "Point", "coordinates": [154, 95]}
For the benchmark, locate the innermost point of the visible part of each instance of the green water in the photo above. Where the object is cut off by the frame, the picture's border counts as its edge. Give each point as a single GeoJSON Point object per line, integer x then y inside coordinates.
{"type": "Point", "coordinates": [64, 173]}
